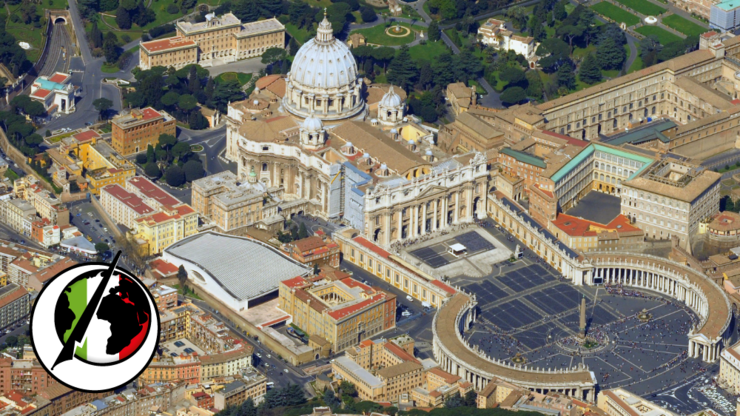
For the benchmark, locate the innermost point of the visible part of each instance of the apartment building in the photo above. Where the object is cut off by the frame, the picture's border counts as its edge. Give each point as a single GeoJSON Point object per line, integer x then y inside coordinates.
{"type": "Point", "coordinates": [154, 232]}
{"type": "Point", "coordinates": [19, 215]}
{"type": "Point", "coordinates": [218, 40]}
{"type": "Point", "coordinates": [729, 369]}
{"type": "Point", "coordinates": [133, 132]}
{"type": "Point", "coordinates": [167, 368]}
{"type": "Point", "coordinates": [15, 304]}
{"type": "Point", "coordinates": [227, 363]}
{"type": "Point", "coordinates": [58, 399]}
{"type": "Point", "coordinates": [252, 385]}
{"type": "Point", "coordinates": [26, 376]}
{"type": "Point", "coordinates": [123, 207]}
{"type": "Point", "coordinates": [165, 297]}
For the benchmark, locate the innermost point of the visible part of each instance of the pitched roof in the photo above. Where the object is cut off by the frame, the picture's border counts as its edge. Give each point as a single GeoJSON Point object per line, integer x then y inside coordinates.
{"type": "Point", "coordinates": [524, 157]}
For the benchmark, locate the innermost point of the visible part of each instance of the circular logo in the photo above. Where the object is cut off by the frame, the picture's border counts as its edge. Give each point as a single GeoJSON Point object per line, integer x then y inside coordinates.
{"type": "Point", "coordinates": [95, 327]}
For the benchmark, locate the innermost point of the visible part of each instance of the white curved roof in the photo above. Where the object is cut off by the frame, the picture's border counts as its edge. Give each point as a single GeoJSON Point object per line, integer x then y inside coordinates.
{"type": "Point", "coordinates": [243, 267]}
{"type": "Point", "coordinates": [323, 63]}
{"type": "Point", "coordinates": [312, 123]}
{"type": "Point", "coordinates": [390, 99]}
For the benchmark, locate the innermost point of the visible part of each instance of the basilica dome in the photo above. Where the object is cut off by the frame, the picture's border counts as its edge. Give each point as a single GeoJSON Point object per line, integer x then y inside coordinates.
{"type": "Point", "coordinates": [323, 79]}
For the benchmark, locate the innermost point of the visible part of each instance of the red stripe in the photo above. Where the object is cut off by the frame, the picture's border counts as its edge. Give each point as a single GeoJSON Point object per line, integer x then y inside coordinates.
{"type": "Point", "coordinates": [134, 345]}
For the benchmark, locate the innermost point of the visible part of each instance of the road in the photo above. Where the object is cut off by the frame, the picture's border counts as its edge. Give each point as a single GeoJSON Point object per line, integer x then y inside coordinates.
{"type": "Point", "coordinates": [88, 74]}
{"type": "Point", "coordinates": [273, 367]}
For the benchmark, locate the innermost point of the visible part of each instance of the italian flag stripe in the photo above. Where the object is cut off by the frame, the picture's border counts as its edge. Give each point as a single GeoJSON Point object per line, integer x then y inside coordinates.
{"type": "Point", "coordinates": [78, 298]}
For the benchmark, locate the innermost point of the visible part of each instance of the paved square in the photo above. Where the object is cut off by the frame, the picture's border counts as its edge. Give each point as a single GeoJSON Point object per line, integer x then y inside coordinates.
{"type": "Point", "coordinates": [598, 207]}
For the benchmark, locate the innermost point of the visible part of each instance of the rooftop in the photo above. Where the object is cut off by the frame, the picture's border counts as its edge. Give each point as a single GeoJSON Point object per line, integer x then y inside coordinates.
{"type": "Point", "coordinates": [168, 43]}
{"type": "Point", "coordinates": [245, 268]}
{"type": "Point", "coordinates": [150, 190]}
{"type": "Point", "coordinates": [127, 198]}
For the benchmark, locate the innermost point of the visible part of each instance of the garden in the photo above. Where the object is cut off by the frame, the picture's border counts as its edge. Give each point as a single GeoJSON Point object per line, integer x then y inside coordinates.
{"type": "Point", "coordinates": [644, 7]}
{"type": "Point", "coordinates": [172, 160]}
{"type": "Point", "coordinates": [664, 37]}
{"type": "Point", "coordinates": [615, 13]}
{"type": "Point", "coordinates": [683, 25]}
{"type": "Point", "coordinates": [240, 77]}
{"type": "Point", "coordinates": [394, 34]}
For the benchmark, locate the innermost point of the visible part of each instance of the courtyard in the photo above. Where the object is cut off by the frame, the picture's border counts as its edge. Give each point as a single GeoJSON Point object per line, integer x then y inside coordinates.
{"type": "Point", "coordinates": [598, 207]}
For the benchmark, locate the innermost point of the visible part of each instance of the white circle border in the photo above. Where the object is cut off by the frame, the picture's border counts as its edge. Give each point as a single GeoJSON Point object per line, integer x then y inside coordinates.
{"type": "Point", "coordinates": [77, 374]}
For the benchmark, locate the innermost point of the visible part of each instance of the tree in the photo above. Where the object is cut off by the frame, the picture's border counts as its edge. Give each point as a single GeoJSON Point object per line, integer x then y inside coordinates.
{"type": "Point", "coordinates": [170, 99]}
{"type": "Point", "coordinates": [11, 340]}
{"type": "Point", "coordinates": [102, 105]}
{"type": "Point", "coordinates": [649, 48]}
{"type": "Point", "coordinates": [101, 248]}
{"type": "Point", "coordinates": [302, 232]}
{"type": "Point", "coordinates": [468, 65]}
{"type": "Point", "coordinates": [589, 71]}
{"type": "Point", "coordinates": [433, 32]}
{"type": "Point", "coordinates": [402, 69]}
{"type": "Point", "coordinates": [455, 400]}
{"type": "Point", "coordinates": [123, 18]}
{"type": "Point", "coordinates": [368, 14]}
{"type": "Point", "coordinates": [553, 52]}
{"type": "Point", "coordinates": [565, 76]}
{"type": "Point", "coordinates": [610, 54]}
{"type": "Point", "coordinates": [512, 75]}
{"type": "Point", "coordinates": [187, 103]}
{"type": "Point", "coordinates": [110, 48]}
{"type": "Point", "coordinates": [141, 158]}
{"type": "Point", "coordinates": [166, 141]}
{"type": "Point", "coordinates": [534, 84]}
{"type": "Point", "coordinates": [182, 275]}
{"type": "Point", "coordinates": [175, 176]}
{"type": "Point", "coordinates": [152, 171]}
{"type": "Point", "coordinates": [96, 36]}
{"type": "Point", "coordinates": [513, 95]}
{"type": "Point", "coordinates": [558, 12]}
{"type": "Point", "coordinates": [330, 399]}
{"type": "Point", "coordinates": [346, 387]}
{"type": "Point", "coordinates": [193, 170]}
{"type": "Point", "coordinates": [196, 121]}
{"type": "Point", "coordinates": [471, 399]}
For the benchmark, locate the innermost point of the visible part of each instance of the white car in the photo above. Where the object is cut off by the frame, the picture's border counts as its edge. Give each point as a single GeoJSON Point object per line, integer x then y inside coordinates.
{"type": "Point", "coordinates": [409, 298]}
{"type": "Point", "coordinates": [285, 370]}
{"type": "Point", "coordinates": [259, 355]}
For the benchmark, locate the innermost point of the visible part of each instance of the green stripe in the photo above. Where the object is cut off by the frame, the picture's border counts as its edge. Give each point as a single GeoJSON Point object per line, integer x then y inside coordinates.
{"type": "Point", "coordinates": [77, 296]}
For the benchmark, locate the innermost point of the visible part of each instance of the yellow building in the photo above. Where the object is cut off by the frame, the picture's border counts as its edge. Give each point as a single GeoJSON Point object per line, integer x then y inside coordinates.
{"type": "Point", "coordinates": [3, 278]}
{"type": "Point", "coordinates": [729, 369]}
{"type": "Point", "coordinates": [342, 312]}
{"type": "Point", "coordinates": [220, 39]}
{"type": "Point", "coordinates": [156, 231]}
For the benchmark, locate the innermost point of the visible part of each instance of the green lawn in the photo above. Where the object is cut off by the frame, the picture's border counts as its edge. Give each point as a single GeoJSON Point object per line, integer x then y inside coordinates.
{"type": "Point", "coordinates": [664, 37]}
{"type": "Point", "coordinates": [428, 51]}
{"type": "Point", "coordinates": [300, 35]}
{"type": "Point", "coordinates": [28, 33]}
{"type": "Point", "coordinates": [683, 25]}
{"type": "Point", "coordinates": [10, 174]}
{"type": "Point", "coordinates": [583, 52]}
{"type": "Point", "coordinates": [185, 291]}
{"type": "Point", "coordinates": [239, 76]}
{"type": "Point", "coordinates": [109, 69]}
{"type": "Point", "coordinates": [643, 6]}
{"type": "Point", "coordinates": [636, 66]}
{"type": "Point", "coordinates": [377, 35]}
{"type": "Point", "coordinates": [478, 88]}
{"type": "Point", "coordinates": [613, 12]}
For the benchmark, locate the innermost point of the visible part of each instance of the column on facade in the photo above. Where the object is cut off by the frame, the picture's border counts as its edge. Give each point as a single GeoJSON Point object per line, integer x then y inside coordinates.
{"type": "Point", "coordinates": [399, 232]}
{"type": "Point", "coordinates": [424, 218]}
{"type": "Point", "coordinates": [456, 216]}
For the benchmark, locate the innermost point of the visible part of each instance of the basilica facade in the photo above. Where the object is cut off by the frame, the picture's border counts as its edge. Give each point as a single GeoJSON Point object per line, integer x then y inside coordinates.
{"type": "Point", "coordinates": [337, 148]}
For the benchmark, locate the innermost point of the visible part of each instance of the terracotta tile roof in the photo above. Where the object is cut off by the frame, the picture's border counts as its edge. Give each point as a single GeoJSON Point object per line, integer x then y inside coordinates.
{"type": "Point", "coordinates": [163, 267]}
{"type": "Point", "coordinates": [297, 281]}
{"type": "Point", "coordinates": [169, 43]}
{"type": "Point", "coordinates": [149, 189]}
{"type": "Point", "coordinates": [579, 227]}
{"type": "Point", "coordinates": [447, 377]}
{"type": "Point", "coordinates": [47, 273]}
{"type": "Point", "coordinates": [400, 352]}
{"type": "Point", "coordinates": [58, 78]}
{"type": "Point", "coordinates": [309, 243]}
{"type": "Point", "coordinates": [354, 283]}
{"type": "Point", "coordinates": [375, 249]}
{"type": "Point", "coordinates": [41, 93]}
{"type": "Point", "coordinates": [570, 140]}
{"type": "Point", "coordinates": [127, 198]}
{"type": "Point", "coordinates": [86, 135]}
{"type": "Point", "coordinates": [447, 288]}
{"type": "Point", "coordinates": [349, 310]}
{"type": "Point", "coordinates": [149, 112]}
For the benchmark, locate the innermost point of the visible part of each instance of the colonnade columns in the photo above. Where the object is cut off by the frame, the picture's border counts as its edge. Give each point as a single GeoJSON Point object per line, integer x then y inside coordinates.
{"type": "Point", "coordinates": [434, 221]}
{"type": "Point", "coordinates": [388, 227]}
{"type": "Point", "coordinates": [424, 219]}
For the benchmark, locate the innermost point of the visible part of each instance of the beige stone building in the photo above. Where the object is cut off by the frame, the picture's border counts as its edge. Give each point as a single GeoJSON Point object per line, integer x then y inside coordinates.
{"type": "Point", "coordinates": [218, 40]}
{"type": "Point", "coordinates": [226, 364]}
{"type": "Point", "coordinates": [19, 214]}
{"type": "Point", "coordinates": [618, 402]}
{"type": "Point", "coordinates": [229, 205]}
{"type": "Point", "coordinates": [729, 369]}
{"type": "Point", "coordinates": [461, 97]}
{"type": "Point", "coordinates": [123, 206]}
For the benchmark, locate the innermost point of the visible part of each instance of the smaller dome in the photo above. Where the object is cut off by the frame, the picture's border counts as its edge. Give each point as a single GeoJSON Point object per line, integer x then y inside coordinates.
{"type": "Point", "coordinates": [366, 156]}
{"type": "Point", "coordinates": [429, 153]}
{"type": "Point", "coordinates": [394, 131]}
{"type": "Point", "coordinates": [391, 99]}
{"type": "Point", "coordinates": [411, 141]}
{"type": "Point", "coordinates": [256, 102]}
{"type": "Point", "coordinates": [312, 123]}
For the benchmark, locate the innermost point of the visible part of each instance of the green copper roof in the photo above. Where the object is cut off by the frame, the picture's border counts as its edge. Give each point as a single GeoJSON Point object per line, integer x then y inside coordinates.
{"type": "Point", "coordinates": [525, 157]}
{"type": "Point", "coordinates": [729, 5]}
{"type": "Point", "coordinates": [589, 150]}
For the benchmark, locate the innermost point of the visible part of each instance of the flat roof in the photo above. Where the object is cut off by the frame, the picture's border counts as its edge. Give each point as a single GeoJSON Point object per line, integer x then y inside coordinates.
{"type": "Point", "coordinates": [458, 247]}
{"type": "Point", "coordinates": [728, 5]}
{"type": "Point", "coordinates": [524, 157]}
{"type": "Point", "coordinates": [359, 372]}
{"type": "Point", "coordinates": [245, 268]}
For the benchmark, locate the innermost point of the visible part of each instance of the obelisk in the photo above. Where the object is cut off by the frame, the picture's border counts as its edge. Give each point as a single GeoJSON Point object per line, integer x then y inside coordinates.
{"type": "Point", "coordinates": [582, 325]}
